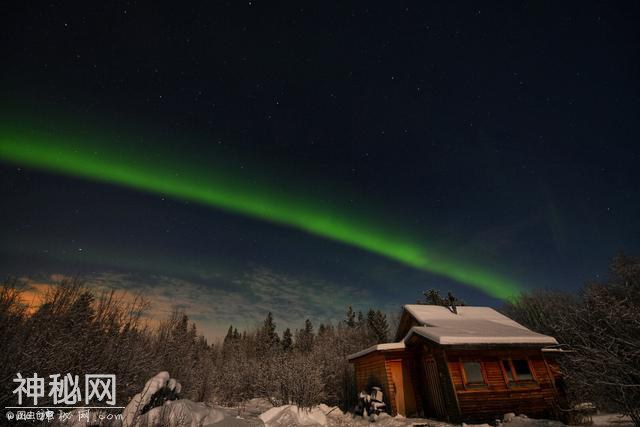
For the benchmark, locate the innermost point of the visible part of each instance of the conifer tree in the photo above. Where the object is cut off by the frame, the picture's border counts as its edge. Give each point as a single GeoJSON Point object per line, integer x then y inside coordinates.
{"type": "Point", "coordinates": [304, 340]}
{"type": "Point", "coordinates": [267, 336]}
{"type": "Point", "coordinates": [351, 318]}
{"type": "Point", "coordinates": [287, 340]}
{"type": "Point", "coordinates": [377, 326]}
{"type": "Point", "coordinates": [229, 337]}
{"type": "Point", "coordinates": [322, 330]}
{"type": "Point", "coordinates": [360, 324]}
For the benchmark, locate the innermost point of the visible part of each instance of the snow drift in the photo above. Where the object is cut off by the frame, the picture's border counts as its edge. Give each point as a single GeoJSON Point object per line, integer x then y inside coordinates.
{"type": "Point", "coordinates": [154, 407]}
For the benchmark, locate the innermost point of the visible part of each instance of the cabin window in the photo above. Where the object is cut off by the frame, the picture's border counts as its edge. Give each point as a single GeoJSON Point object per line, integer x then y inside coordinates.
{"type": "Point", "coordinates": [517, 370]}
{"type": "Point", "coordinates": [473, 374]}
{"type": "Point", "coordinates": [521, 367]}
{"type": "Point", "coordinates": [506, 365]}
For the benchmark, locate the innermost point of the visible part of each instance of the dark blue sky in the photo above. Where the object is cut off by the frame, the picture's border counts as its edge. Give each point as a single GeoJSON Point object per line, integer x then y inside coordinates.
{"type": "Point", "coordinates": [505, 132]}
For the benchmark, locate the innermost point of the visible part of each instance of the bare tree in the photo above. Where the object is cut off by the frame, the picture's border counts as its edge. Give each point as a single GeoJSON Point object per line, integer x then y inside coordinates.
{"type": "Point", "coordinates": [602, 328]}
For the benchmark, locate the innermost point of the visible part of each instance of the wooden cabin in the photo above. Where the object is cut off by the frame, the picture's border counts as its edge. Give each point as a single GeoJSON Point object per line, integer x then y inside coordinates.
{"type": "Point", "coordinates": [470, 364]}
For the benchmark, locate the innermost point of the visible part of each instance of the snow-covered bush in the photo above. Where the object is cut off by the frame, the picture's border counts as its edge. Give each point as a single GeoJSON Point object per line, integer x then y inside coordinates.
{"type": "Point", "coordinates": [307, 371]}
{"type": "Point", "coordinates": [148, 409]}
{"type": "Point", "coordinates": [78, 330]}
{"type": "Point", "coordinates": [601, 327]}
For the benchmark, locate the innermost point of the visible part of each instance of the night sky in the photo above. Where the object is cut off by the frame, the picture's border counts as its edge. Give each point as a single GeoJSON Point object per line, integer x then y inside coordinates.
{"type": "Point", "coordinates": [234, 158]}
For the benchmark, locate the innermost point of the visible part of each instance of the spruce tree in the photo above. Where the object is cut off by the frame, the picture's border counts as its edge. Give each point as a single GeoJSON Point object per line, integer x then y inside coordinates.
{"type": "Point", "coordinates": [229, 337]}
{"type": "Point", "coordinates": [267, 336]}
{"type": "Point", "coordinates": [351, 318]}
{"type": "Point", "coordinates": [322, 330]}
{"type": "Point", "coordinates": [377, 326]}
{"type": "Point", "coordinates": [304, 340]}
{"type": "Point", "coordinates": [287, 340]}
{"type": "Point", "coordinates": [360, 324]}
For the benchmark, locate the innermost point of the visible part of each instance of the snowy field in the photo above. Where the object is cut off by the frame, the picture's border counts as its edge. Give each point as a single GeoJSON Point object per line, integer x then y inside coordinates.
{"type": "Point", "coordinates": [156, 405]}
{"type": "Point", "coordinates": [258, 412]}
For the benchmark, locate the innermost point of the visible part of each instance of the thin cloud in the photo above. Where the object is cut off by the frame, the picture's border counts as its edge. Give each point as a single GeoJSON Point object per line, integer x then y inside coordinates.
{"type": "Point", "coordinates": [244, 305]}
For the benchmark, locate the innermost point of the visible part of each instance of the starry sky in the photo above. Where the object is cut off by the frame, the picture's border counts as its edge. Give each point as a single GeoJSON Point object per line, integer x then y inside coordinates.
{"type": "Point", "coordinates": [235, 158]}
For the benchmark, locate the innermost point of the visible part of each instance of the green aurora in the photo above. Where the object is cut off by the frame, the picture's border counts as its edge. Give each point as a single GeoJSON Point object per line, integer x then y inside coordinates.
{"type": "Point", "coordinates": [100, 160]}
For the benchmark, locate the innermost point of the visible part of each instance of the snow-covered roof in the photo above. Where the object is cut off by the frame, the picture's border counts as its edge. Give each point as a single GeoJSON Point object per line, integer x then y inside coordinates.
{"type": "Point", "coordinates": [471, 325]}
{"type": "Point", "coordinates": [377, 347]}
{"type": "Point", "coordinates": [479, 332]}
{"type": "Point", "coordinates": [555, 349]}
{"type": "Point", "coordinates": [430, 314]}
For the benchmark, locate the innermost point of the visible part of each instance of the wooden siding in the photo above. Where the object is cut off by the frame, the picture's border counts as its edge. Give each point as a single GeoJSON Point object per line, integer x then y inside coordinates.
{"type": "Point", "coordinates": [434, 397]}
{"type": "Point", "coordinates": [412, 394]}
{"type": "Point", "coordinates": [413, 380]}
{"type": "Point", "coordinates": [535, 399]}
{"type": "Point", "coordinates": [538, 398]}
{"type": "Point", "coordinates": [371, 371]}
{"type": "Point", "coordinates": [454, 414]}
{"type": "Point", "coordinates": [374, 369]}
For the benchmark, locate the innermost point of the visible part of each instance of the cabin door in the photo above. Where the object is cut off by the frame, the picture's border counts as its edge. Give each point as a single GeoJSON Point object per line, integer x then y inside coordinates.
{"type": "Point", "coordinates": [398, 385]}
{"type": "Point", "coordinates": [435, 399]}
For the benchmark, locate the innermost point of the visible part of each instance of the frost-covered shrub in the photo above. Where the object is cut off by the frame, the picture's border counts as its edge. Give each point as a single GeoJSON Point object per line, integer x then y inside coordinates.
{"type": "Point", "coordinates": [601, 326]}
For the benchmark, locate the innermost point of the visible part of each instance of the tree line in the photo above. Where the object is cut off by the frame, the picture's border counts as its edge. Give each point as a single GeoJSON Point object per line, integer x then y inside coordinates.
{"type": "Point", "coordinates": [76, 330]}
{"type": "Point", "coordinates": [305, 366]}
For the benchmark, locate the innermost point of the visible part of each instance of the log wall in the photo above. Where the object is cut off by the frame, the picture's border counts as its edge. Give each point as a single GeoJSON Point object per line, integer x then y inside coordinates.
{"type": "Point", "coordinates": [534, 399]}
{"type": "Point", "coordinates": [538, 398]}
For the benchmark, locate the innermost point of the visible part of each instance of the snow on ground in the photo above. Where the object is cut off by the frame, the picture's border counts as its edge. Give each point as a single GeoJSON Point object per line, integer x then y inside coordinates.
{"type": "Point", "coordinates": [291, 415]}
{"type": "Point", "coordinates": [326, 416]}
{"type": "Point", "coordinates": [179, 412]}
{"type": "Point", "coordinates": [511, 420]}
{"type": "Point", "coordinates": [161, 389]}
{"type": "Point", "coordinates": [259, 412]}
{"type": "Point", "coordinates": [182, 412]}
{"type": "Point", "coordinates": [383, 420]}
{"type": "Point", "coordinates": [613, 420]}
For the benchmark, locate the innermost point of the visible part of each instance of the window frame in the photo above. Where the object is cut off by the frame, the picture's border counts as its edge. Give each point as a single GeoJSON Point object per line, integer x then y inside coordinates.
{"type": "Point", "coordinates": [516, 382]}
{"type": "Point", "coordinates": [465, 381]}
